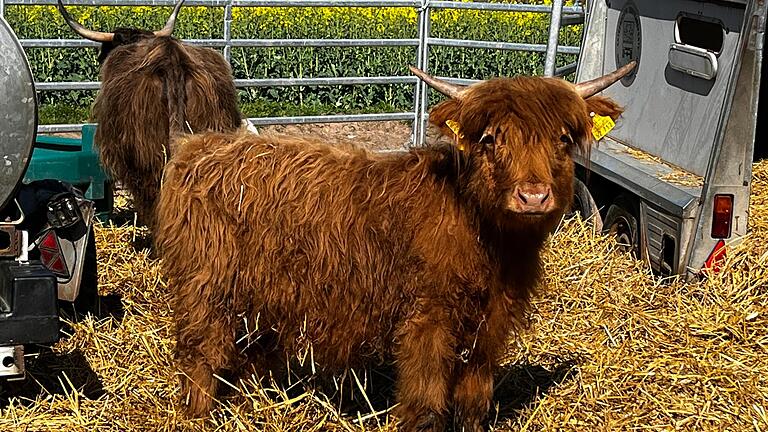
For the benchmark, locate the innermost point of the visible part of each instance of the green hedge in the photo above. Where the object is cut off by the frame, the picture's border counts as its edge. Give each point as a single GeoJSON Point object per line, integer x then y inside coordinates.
{"type": "Point", "coordinates": [205, 22]}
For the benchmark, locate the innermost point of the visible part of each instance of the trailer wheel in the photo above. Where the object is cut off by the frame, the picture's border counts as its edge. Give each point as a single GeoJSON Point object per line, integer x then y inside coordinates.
{"type": "Point", "coordinates": [585, 205]}
{"type": "Point", "coordinates": [622, 222]}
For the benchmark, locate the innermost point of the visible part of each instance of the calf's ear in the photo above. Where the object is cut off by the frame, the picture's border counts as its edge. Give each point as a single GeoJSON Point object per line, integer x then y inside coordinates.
{"type": "Point", "coordinates": [604, 106]}
{"type": "Point", "coordinates": [600, 106]}
{"type": "Point", "coordinates": [444, 112]}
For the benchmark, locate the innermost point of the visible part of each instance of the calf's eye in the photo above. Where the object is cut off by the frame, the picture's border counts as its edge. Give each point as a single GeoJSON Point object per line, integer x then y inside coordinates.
{"type": "Point", "coordinates": [487, 139]}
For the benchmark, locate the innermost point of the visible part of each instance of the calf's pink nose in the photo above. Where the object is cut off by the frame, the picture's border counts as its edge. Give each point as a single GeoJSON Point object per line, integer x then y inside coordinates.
{"type": "Point", "coordinates": [533, 197]}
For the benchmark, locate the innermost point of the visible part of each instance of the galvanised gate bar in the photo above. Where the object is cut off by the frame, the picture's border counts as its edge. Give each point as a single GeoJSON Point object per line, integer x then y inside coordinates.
{"type": "Point", "coordinates": [560, 16]}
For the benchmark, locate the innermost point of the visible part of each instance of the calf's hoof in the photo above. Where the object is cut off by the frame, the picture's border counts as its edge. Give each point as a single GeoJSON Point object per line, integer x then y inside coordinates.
{"type": "Point", "coordinates": [430, 422]}
{"type": "Point", "coordinates": [196, 404]}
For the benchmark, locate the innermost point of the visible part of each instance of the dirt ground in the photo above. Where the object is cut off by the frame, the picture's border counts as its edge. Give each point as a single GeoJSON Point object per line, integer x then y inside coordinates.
{"type": "Point", "coordinates": [375, 135]}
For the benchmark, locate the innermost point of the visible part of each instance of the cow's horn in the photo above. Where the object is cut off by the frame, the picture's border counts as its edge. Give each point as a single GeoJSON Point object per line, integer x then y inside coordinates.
{"type": "Point", "coordinates": [93, 35]}
{"type": "Point", "coordinates": [168, 29]}
{"type": "Point", "coordinates": [592, 87]}
{"type": "Point", "coordinates": [454, 91]}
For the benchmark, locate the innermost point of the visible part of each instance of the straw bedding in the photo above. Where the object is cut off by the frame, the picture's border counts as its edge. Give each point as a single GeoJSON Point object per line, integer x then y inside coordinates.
{"type": "Point", "coordinates": [610, 347]}
{"type": "Point", "coordinates": [676, 176]}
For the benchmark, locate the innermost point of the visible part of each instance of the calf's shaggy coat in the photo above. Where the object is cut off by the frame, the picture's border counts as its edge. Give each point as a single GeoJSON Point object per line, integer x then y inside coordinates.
{"type": "Point", "coordinates": [425, 258]}
{"type": "Point", "coordinates": [154, 88]}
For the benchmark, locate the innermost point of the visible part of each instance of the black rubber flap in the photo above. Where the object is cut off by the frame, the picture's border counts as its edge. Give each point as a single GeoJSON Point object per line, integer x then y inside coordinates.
{"type": "Point", "coordinates": [28, 294]}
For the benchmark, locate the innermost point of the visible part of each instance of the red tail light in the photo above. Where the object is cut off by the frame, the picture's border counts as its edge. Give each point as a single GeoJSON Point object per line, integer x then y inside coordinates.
{"type": "Point", "coordinates": [716, 258]}
{"type": "Point", "coordinates": [722, 213]}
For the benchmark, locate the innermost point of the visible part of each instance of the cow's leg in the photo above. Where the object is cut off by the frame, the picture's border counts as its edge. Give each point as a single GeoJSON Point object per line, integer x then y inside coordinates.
{"type": "Point", "coordinates": [144, 198]}
{"type": "Point", "coordinates": [198, 359]}
{"type": "Point", "coordinates": [424, 360]}
{"type": "Point", "coordinates": [203, 272]}
{"type": "Point", "coordinates": [205, 345]}
{"type": "Point", "coordinates": [472, 396]}
{"type": "Point", "coordinates": [473, 388]}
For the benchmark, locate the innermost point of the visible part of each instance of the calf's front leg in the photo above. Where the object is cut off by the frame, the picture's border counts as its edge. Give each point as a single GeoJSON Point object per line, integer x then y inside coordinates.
{"type": "Point", "coordinates": [472, 396]}
{"type": "Point", "coordinates": [473, 388]}
{"type": "Point", "coordinates": [424, 362]}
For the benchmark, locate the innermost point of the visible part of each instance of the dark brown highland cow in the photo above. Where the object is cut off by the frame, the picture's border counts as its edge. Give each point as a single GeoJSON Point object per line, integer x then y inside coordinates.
{"type": "Point", "coordinates": [426, 259]}
{"type": "Point", "coordinates": [153, 87]}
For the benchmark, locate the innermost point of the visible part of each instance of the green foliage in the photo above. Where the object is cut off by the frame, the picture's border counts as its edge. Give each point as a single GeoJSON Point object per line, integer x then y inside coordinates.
{"type": "Point", "coordinates": [263, 108]}
{"type": "Point", "coordinates": [62, 113]}
{"type": "Point", "coordinates": [297, 23]}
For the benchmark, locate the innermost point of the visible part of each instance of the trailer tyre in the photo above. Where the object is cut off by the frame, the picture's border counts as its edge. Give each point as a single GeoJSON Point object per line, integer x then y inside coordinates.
{"type": "Point", "coordinates": [622, 222]}
{"type": "Point", "coordinates": [585, 205]}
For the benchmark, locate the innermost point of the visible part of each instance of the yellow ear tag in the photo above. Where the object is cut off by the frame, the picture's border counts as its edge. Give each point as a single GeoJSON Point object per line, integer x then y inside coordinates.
{"type": "Point", "coordinates": [454, 127]}
{"type": "Point", "coordinates": [601, 125]}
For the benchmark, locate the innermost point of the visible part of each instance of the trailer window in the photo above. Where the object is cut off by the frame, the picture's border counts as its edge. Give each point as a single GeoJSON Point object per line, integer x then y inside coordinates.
{"type": "Point", "coordinates": [700, 32]}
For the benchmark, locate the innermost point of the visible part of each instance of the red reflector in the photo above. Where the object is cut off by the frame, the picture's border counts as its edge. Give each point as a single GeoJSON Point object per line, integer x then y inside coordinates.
{"type": "Point", "coordinates": [716, 258]}
{"type": "Point", "coordinates": [722, 213]}
{"type": "Point", "coordinates": [50, 255]}
{"type": "Point", "coordinates": [47, 256]}
{"type": "Point", "coordinates": [49, 242]}
{"type": "Point", "coordinates": [58, 267]}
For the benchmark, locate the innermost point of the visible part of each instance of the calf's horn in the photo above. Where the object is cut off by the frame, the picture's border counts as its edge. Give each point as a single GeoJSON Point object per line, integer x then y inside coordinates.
{"type": "Point", "coordinates": [168, 29]}
{"type": "Point", "coordinates": [594, 86]}
{"type": "Point", "coordinates": [93, 35]}
{"type": "Point", "coordinates": [454, 91]}
{"type": "Point", "coordinates": [584, 89]}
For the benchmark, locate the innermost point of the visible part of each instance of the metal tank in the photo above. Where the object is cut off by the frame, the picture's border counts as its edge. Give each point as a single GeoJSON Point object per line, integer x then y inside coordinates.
{"type": "Point", "coordinates": [18, 113]}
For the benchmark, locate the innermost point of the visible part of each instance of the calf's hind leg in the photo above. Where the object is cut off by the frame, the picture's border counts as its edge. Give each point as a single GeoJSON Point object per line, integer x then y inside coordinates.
{"type": "Point", "coordinates": [205, 345]}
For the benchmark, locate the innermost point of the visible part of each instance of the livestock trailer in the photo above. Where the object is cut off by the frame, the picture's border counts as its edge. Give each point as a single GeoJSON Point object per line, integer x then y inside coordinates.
{"type": "Point", "coordinates": [672, 179]}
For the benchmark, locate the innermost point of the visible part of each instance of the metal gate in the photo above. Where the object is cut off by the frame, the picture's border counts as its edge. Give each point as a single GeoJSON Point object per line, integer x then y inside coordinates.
{"type": "Point", "coordinates": [560, 16]}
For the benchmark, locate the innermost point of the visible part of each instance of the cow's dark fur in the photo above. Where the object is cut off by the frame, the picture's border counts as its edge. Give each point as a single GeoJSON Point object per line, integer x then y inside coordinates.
{"type": "Point", "coordinates": [150, 90]}
{"type": "Point", "coordinates": [154, 88]}
{"type": "Point", "coordinates": [123, 36]}
{"type": "Point", "coordinates": [417, 258]}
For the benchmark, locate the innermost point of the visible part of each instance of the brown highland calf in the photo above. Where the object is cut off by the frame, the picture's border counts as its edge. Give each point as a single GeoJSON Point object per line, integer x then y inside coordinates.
{"type": "Point", "coordinates": [426, 258]}
{"type": "Point", "coordinates": [153, 87]}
